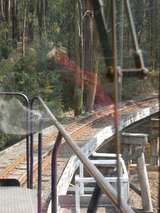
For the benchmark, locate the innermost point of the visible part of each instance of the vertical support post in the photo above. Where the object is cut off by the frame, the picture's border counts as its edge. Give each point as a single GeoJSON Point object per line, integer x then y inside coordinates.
{"type": "Point", "coordinates": [144, 182]}
{"type": "Point", "coordinates": [126, 154]}
{"type": "Point", "coordinates": [155, 141]}
{"type": "Point", "coordinates": [155, 152]}
{"type": "Point", "coordinates": [121, 33]}
{"type": "Point", "coordinates": [137, 142]}
{"type": "Point", "coordinates": [81, 172]}
{"type": "Point", "coordinates": [77, 194]}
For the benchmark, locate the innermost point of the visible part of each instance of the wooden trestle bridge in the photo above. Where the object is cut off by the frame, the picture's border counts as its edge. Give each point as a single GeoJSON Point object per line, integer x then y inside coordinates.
{"type": "Point", "coordinates": [35, 174]}
{"type": "Point", "coordinates": [88, 133]}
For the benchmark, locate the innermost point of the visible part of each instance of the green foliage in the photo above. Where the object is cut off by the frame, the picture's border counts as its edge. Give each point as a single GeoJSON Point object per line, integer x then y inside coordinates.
{"type": "Point", "coordinates": [134, 87]}
{"type": "Point", "coordinates": [8, 140]}
{"type": "Point", "coordinates": [30, 74]}
{"type": "Point", "coordinates": [6, 67]}
{"type": "Point", "coordinates": [5, 49]}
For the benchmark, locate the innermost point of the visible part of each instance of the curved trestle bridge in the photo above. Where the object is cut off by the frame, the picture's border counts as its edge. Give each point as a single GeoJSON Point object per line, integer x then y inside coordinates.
{"type": "Point", "coordinates": [88, 133]}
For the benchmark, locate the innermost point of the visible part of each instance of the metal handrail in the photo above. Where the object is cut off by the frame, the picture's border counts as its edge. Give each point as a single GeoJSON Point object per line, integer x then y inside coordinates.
{"type": "Point", "coordinates": [40, 147]}
{"type": "Point", "coordinates": [27, 102]}
{"type": "Point", "coordinates": [106, 187]}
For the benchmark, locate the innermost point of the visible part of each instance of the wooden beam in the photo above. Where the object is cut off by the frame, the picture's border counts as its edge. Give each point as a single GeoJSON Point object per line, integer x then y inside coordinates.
{"type": "Point", "coordinates": [144, 182]}
{"type": "Point", "coordinates": [134, 138]}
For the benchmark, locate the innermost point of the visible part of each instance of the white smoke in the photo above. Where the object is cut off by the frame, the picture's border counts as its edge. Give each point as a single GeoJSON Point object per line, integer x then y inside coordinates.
{"type": "Point", "coordinates": [13, 117]}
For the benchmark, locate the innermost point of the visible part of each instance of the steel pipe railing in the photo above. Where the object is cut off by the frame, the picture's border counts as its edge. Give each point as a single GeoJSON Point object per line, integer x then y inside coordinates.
{"type": "Point", "coordinates": [31, 141]}
{"type": "Point", "coordinates": [40, 147]}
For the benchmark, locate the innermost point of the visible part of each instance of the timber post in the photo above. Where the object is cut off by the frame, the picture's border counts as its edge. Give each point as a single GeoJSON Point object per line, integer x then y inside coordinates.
{"type": "Point", "coordinates": [133, 147]}
{"type": "Point", "coordinates": [155, 141]}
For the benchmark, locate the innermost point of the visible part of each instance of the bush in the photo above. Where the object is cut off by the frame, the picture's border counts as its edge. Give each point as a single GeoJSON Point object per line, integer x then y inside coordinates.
{"type": "Point", "coordinates": [134, 87]}
{"type": "Point", "coordinates": [31, 75]}
{"type": "Point", "coordinates": [5, 49]}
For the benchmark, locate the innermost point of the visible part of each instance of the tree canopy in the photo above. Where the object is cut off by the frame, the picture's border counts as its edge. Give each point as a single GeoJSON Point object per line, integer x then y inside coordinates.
{"type": "Point", "coordinates": [29, 29]}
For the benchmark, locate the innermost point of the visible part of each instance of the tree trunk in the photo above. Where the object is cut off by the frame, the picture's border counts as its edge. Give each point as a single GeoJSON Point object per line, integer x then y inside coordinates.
{"type": "Point", "coordinates": [31, 20]}
{"type": "Point", "coordinates": [8, 12]}
{"type": "Point", "coordinates": [2, 9]}
{"type": "Point", "coordinates": [153, 39]}
{"type": "Point", "coordinates": [39, 16]}
{"type": "Point", "coordinates": [24, 32]}
{"type": "Point", "coordinates": [41, 12]}
{"type": "Point", "coordinates": [44, 17]}
{"type": "Point", "coordinates": [78, 92]}
{"type": "Point", "coordinates": [89, 54]}
{"type": "Point", "coordinates": [14, 21]}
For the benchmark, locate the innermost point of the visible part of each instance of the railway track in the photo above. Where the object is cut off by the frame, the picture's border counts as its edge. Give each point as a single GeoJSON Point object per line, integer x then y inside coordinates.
{"type": "Point", "coordinates": [16, 165]}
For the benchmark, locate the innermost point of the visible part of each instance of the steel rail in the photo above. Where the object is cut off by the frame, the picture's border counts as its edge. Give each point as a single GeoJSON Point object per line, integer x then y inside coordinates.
{"type": "Point", "coordinates": [96, 116]}
{"type": "Point", "coordinates": [6, 171]}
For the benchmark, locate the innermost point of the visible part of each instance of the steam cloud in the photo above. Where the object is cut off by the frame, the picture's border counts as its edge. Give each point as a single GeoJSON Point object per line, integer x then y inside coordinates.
{"type": "Point", "coordinates": [13, 117]}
